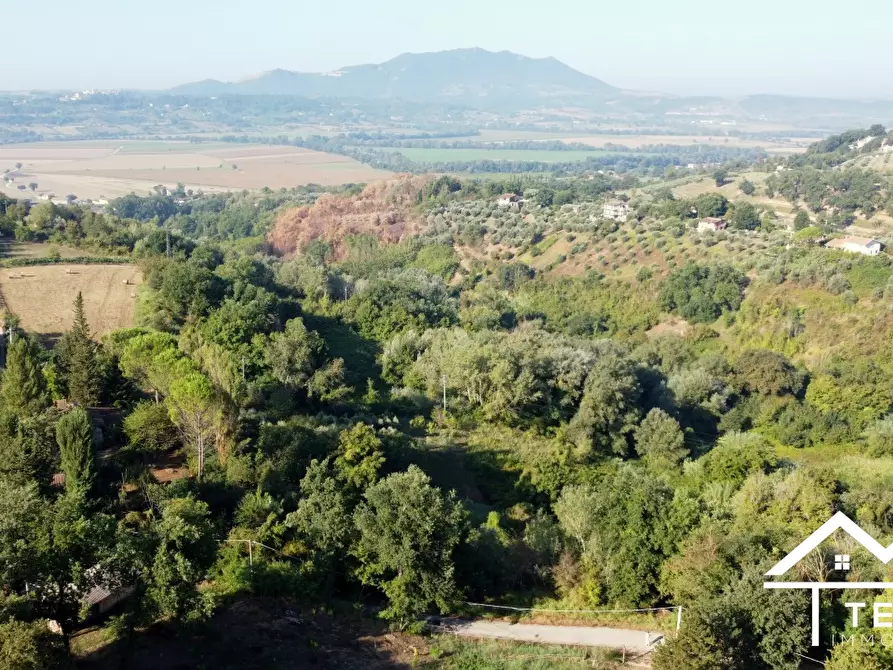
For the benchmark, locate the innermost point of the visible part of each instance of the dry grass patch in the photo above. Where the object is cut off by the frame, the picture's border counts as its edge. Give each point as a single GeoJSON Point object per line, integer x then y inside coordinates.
{"type": "Point", "coordinates": [43, 296]}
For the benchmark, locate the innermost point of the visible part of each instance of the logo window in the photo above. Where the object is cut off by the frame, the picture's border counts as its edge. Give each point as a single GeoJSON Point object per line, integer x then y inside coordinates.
{"type": "Point", "coordinates": [842, 562]}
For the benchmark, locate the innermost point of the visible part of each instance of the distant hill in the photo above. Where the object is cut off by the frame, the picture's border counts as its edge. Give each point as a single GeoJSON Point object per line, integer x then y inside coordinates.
{"type": "Point", "coordinates": [462, 76]}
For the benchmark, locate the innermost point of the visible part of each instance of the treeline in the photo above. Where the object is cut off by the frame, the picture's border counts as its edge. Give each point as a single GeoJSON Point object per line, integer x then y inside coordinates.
{"type": "Point", "coordinates": [837, 149]}
{"type": "Point", "coordinates": [133, 223]}
{"type": "Point", "coordinates": [622, 159]}
{"type": "Point", "coordinates": [840, 192]}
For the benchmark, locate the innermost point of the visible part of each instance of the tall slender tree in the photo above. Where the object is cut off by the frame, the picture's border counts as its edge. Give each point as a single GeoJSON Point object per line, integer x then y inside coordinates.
{"type": "Point", "coordinates": [74, 435]}
{"type": "Point", "coordinates": [24, 390]}
{"type": "Point", "coordinates": [77, 353]}
{"type": "Point", "coordinates": [193, 407]}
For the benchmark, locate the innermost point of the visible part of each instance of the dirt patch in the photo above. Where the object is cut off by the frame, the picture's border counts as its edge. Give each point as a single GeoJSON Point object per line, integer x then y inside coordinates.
{"type": "Point", "coordinates": [43, 296]}
{"type": "Point", "coordinates": [383, 209]}
{"type": "Point", "coordinates": [672, 326]}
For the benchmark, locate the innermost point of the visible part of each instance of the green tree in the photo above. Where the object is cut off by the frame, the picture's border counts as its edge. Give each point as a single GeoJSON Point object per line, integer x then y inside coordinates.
{"type": "Point", "coordinates": [31, 646]}
{"type": "Point", "coordinates": [185, 549]}
{"type": "Point", "coordinates": [193, 407]}
{"type": "Point", "coordinates": [408, 532]}
{"type": "Point", "coordinates": [609, 409]}
{"type": "Point", "coordinates": [879, 436]}
{"type": "Point", "coordinates": [767, 373]}
{"type": "Point", "coordinates": [711, 204]}
{"type": "Point", "coordinates": [77, 353]}
{"type": "Point", "coordinates": [149, 428]}
{"type": "Point", "coordinates": [859, 655]}
{"type": "Point", "coordinates": [720, 176]}
{"type": "Point", "coordinates": [715, 636]}
{"type": "Point", "coordinates": [802, 220]}
{"type": "Point", "coordinates": [574, 512]}
{"type": "Point", "coordinates": [744, 216]}
{"type": "Point", "coordinates": [747, 187]}
{"type": "Point", "coordinates": [634, 525]}
{"type": "Point", "coordinates": [323, 519]}
{"type": "Point", "coordinates": [701, 294]}
{"type": "Point", "coordinates": [659, 439]}
{"type": "Point", "coordinates": [24, 391]}
{"type": "Point", "coordinates": [294, 354]}
{"type": "Point", "coordinates": [359, 456]}
{"type": "Point", "coordinates": [74, 435]}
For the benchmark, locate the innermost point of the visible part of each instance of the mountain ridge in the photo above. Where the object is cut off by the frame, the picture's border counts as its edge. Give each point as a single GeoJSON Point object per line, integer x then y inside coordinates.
{"type": "Point", "coordinates": [460, 75]}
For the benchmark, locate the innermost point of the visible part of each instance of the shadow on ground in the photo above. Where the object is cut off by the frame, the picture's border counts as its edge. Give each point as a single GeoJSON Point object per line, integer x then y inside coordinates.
{"type": "Point", "coordinates": [252, 635]}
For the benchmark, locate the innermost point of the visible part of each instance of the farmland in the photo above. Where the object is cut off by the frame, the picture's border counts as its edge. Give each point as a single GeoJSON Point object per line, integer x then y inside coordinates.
{"type": "Point", "coordinates": [42, 296]}
{"type": "Point", "coordinates": [435, 155]}
{"type": "Point", "coordinates": [781, 145]}
{"type": "Point", "coordinates": [108, 169]}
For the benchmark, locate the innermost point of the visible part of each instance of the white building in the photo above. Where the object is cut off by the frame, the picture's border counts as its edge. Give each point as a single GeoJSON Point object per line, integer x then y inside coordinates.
{"type": "Point", "coordinates": [508, 200]}
{"type": "Point", "coordinates": [711, 224]}
{"type": "Point", "coordinates": [616, 210]}
{"type": "Point", "coordinates": [856, 245]}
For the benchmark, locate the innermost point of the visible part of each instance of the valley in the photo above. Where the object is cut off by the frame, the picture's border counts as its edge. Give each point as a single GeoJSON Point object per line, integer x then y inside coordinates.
{"type": "Point", "coordinates": [457, 360]}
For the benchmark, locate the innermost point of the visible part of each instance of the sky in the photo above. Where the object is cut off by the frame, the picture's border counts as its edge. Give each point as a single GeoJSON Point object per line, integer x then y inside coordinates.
{"type": "Point", "coordinates": [689, 47]}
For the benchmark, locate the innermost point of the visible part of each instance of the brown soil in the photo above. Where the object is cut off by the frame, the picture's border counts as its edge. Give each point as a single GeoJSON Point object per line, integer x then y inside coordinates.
{"type": "Point", "coordinates": [383, 209]}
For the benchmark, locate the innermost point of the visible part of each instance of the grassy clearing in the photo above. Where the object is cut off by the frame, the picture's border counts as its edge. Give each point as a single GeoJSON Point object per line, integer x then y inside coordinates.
{"type": "Point", "coordinates": [12, 250]}
{"type": "Point", "coordinates": [449, 653]}
{"type": "Point", "coordinates": [663, 621]}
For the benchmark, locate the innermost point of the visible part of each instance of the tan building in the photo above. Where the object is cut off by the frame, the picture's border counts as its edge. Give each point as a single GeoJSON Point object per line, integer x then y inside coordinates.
{"type": "Point", "coordinates": [616, 210]}
{"type": "Point", "coordinates": [508, 200]}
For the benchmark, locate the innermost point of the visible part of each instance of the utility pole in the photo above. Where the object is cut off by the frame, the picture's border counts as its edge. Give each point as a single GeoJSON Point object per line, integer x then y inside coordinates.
{"type": "Point", "coordinates": [167, 240]}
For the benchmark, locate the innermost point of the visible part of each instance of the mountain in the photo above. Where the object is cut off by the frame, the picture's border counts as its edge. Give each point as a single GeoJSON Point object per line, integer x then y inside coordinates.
{"type": "Point", "coordinates": [461, 76]}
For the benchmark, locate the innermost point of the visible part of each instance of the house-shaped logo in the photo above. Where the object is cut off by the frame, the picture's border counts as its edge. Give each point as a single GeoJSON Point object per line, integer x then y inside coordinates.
{"type": "Point", "coordinates": [839, 521]}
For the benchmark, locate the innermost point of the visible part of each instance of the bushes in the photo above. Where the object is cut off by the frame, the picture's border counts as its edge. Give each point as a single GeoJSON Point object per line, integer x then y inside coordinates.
{"type": "Point", "coordinates": [701, 294]}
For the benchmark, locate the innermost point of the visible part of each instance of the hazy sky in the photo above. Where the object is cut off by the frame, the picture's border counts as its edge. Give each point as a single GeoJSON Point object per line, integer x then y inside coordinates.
{"type": "Point", "coordinates": [798, 47]}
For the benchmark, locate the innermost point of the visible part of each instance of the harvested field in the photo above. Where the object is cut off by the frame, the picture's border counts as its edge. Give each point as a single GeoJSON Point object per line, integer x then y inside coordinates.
{"type": "Point", "coordinates": [43, 296]}
{"type": "Point", "coordinates": [109, 169]}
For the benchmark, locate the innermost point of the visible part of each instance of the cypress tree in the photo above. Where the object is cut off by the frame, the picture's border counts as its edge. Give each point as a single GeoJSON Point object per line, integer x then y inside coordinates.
{"type": "Point", "coordinates": [78, 356]}
{"type": "Point", "coordinates": [74, 435]}
{"type": "Point", "coordinates": [24, 390]}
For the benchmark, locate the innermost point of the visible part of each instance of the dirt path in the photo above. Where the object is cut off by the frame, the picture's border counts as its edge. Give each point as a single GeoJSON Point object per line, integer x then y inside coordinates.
{"type": "Point", "coordinates": [636, 641]}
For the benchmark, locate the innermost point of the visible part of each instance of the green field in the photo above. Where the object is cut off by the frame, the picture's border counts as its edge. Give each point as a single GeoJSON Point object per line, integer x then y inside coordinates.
{"type": "Point", "coordinates": [447, 155]}
{"type": "Point", "coordinates": [164, 146]}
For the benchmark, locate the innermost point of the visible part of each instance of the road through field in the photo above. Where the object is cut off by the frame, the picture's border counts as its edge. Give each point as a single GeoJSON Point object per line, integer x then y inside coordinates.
{"type": "Point", "coordinates": [637, 641]}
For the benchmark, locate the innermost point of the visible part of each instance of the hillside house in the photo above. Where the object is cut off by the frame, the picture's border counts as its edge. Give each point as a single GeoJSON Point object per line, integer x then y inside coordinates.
{"type": "Point", "coordinates": [508, 200]}
{"type": "Point", "coordinates": [711, 224]}
{"type": "Point", "coordinates": [856, 245]}
{"type": "Point", "coordinates": [616, 210]}
{"type": "Point", "coordinates": [887, 146]}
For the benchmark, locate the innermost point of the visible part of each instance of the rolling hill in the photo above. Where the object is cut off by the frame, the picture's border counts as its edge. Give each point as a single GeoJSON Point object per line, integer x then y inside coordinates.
{"type": "Point", "coordinates": [463, 76]}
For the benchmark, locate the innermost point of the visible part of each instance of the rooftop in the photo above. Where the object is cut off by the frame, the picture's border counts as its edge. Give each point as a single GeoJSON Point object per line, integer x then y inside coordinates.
{"type": "Point", "coordinates": [861, 241]}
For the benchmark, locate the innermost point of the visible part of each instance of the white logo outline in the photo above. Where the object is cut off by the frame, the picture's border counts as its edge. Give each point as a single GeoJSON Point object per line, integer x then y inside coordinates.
{"type": "Point", "coordinates": [839, 521]}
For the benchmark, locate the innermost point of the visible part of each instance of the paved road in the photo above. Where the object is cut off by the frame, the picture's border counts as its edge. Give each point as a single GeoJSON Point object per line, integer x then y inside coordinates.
{"type": "Point", "coordinates": [617, 638]}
